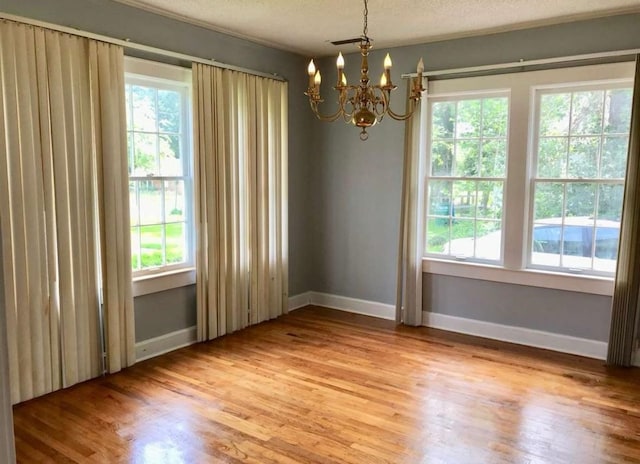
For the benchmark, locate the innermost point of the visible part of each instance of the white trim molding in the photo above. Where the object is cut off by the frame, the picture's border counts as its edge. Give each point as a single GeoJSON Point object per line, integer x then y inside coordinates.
{"type": "Point", "coordinates": [529, 277]}
{"type": "Point", "coordinates": [153, 347]}
{"type": "Point", "coordinates": [518, 335]}
{"type": "Point", "coordinates": [155, 283]}
{"type": "Point", "coordinates": [299, 301]}
{"type": "Point", "coordinates": [354, 305]}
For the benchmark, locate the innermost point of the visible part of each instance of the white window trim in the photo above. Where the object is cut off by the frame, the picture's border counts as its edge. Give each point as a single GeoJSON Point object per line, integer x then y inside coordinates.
{"type": "Point", "coordinates": [517, 191]}
{"type": "Point", "coordinates": [149, 281]}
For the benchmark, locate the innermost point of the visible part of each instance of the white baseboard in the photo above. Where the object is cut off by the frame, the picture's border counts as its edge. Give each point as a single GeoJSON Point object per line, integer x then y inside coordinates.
{"type": "Point", "coordinates": [165, 343]}
{"type": "Point", "coordinates": [354, 305]}
{"type": "Point", "coordinates": [299, 301]}
{"type": "Point", "coordinates": [518, 335]}
{"type": "Point", "coordinates": [343, 303]}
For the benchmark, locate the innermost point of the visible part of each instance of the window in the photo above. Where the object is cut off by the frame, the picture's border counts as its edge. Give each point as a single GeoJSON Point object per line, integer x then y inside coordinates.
{"type": "Point", "coordinates": [468, 154]}
{"type": "Point", "coordinates": [580, 154]}
{"type": "Point", "coordinates": [525, 176]}
{"type": "Point", "coordinates": [160, 166]}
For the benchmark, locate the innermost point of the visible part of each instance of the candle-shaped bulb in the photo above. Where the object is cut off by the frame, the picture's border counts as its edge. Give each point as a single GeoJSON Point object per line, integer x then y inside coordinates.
{"type": "Point", "coordinates": [383, 80]}
{"type": "Point", "coordinates": [311, 69]}
{"type": "Point", "coordinates": [420, 67]}
{"type": "Point", "coordinates": [387, 62]}
{"type": "Point", "coordinates": [317, 79]}
{"type": "Point", "coordinates": [340, 61]}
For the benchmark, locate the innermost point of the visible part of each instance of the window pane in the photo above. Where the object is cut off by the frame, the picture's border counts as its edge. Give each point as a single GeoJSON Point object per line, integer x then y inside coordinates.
{"type": "Point", "coordinates": [145, 154]}
{"type": "Point", "coordinates": [586, 113]}
{"type": "Point", "coordinates": [144, 108]}
{"type": "Point", "coordinates": [617, 112]}
{"type": "Point", "coordinates": [174, 201]}
{"type": "Point", "coordinates": [488, 240]}
{"type": "Point", "coordinates": [441, 158]}
{"type": "Point", "coordinates": [168, 111]}
{"type": "Point", "coordinates": [462, 243]}
{"type": "Point", "coordinates": [468, 119]}
{"type": "Point", "coordinates": [464, 199]}
{"type": "Point", "coordinates": [493, 160]}
{"type": "Point", "coordinates": [467, 158]}
{"type": "Point", "coordinates": [548, 201]}
{"type": "Point", "coordinates": [546, 244]}
{"type": "Point", "coordinates": [606, 246]}
{"type": "Point", "coordinates": [150, 193]}
{"type": "Point", "coordinates": [552, 157]}
{"type": "Point", "coordinates": [494, 117]}
{"type": "Point", "coordinates": [133, 203]}
{"type": "Point", "coordinates": [580, 200]}
{"type": "Point", "coordinates": [440, 198]}
{"type": "Point", "coordinates": [151, 238]}
{"type": "Point", "coordinates": [170, 159]}
{"type": "Point", "coordinates": [437, 234]}
{"type": "Point", "coordinates": [443, 120]}
{"type": "Point", "coordinates": [554, 114]}
{"type": "Point", "coordinates": [613, 164]}
{"type": "Point", "coordinates": [176, 242]}
{"type": "Point", "coordinates": [583, 157]}
{"type": "Point", "coordinates": [490, 199]}
{"type": "Point", "coordinates": [610, 202]}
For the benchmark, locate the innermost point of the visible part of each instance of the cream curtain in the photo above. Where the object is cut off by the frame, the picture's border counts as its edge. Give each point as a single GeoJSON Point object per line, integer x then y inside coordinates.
{"type": "Point", "coordinates": [411, 237]}
{"type": "Point", "coordinates": [241, 197]}
{"type": "Point", "coordinates": [53, 114]}
{"type": "Point", "coordinates": [625, 312]}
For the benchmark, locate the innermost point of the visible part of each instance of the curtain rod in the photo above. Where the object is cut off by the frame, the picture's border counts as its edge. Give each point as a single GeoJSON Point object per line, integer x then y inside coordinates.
{"type": "Point", "coordinates": [136, 46]}
{"type": "Point", "coordinates": [526, 63]}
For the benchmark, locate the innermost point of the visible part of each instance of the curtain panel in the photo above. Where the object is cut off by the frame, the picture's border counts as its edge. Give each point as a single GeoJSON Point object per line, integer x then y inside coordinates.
{"type": "Point", "coordinates": [54, 122]}
{"type": "Point", "coordinates": [240, 124]}
{"type": "Point", "coordinates": [625, 313]}
{"type": "Point", "coordinates": [411, 236]}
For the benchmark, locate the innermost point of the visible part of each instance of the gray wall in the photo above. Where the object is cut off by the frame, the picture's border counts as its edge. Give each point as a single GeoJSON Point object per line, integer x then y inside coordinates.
{"type": "Point", "coordinates": [7, 451]}
{"type": "Point", "coordinates": [176, 309]}
{"type": "Point", "coordinates": [356, 186]}
{"type": "Point", "coordinates": [157, 313]}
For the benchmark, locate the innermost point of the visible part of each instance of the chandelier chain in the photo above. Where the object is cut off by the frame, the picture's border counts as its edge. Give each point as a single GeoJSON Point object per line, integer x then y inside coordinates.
{"type": "Point", "coordinates": [366, 25]}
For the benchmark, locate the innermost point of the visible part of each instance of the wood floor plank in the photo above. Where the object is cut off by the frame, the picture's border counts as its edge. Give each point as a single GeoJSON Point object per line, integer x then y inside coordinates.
{"type": "Point", "coordinates": [323, 386]}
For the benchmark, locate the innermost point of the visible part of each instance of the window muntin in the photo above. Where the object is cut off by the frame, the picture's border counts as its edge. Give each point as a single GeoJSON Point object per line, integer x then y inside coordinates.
{"type": "Point", "coordinates": [468, 157]}
{"type": "Point", "coordinates": [158, 138]}
{"type": "Point", "coordinates": [580, 151]}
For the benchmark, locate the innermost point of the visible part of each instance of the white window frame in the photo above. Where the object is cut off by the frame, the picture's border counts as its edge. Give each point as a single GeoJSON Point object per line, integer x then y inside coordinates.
{"type": "Point", "coordinates": [160, 75]}
{"type": "Point", "coordinates": [457, 97]}
{"type": "Point", "coordinates": [517, 215]}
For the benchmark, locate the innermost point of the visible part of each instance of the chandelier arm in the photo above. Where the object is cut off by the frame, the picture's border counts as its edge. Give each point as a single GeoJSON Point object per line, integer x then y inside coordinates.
{"type": "Point", "coordinates": [407, 115]}
{"type": "Point", "coordinates": [325, 118]}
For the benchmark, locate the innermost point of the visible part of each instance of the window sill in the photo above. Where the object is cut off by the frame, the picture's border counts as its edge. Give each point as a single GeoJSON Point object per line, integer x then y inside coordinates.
{"type": "Point", "coordinates": [530, 277]}
{"type": "Point", "coordinates": [154, 283]}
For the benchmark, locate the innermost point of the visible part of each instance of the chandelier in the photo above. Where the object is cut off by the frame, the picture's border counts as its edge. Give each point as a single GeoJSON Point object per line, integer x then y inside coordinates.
{"type": "Point", "coordinates": [363, 105]}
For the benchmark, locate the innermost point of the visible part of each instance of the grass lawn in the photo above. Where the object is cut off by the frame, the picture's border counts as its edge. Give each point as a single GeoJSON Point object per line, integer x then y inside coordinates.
{"type": "Point", "coordinates": [147, 246]}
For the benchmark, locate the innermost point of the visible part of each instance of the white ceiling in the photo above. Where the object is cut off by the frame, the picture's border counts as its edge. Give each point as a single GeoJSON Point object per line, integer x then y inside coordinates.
{"type": "Point", "coordinates": [306, 26]}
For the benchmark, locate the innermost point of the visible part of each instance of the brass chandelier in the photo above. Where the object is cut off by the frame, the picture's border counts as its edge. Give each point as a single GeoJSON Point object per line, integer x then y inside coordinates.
{"type": "Point", "coordinates": [363, 105]}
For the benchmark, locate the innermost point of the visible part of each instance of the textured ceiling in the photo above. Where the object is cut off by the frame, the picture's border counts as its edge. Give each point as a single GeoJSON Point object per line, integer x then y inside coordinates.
{"type": "Point", "coordinates": [306, 26]}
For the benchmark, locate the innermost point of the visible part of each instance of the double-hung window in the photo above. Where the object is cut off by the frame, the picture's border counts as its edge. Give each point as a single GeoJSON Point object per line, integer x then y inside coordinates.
{"type": "Point", "coordinates": [160, 167]}
{"type": "Point", "coordinates": [580, 154]}
{"type": "Point", "coordinates": [468, 155]}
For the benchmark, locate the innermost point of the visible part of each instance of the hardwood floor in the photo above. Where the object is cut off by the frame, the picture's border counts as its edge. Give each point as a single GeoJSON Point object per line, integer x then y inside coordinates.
{"type": "Point", "coordinates": [322, 386]}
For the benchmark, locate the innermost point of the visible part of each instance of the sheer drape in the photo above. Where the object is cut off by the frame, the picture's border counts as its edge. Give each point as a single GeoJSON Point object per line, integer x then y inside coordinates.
{"type": "Point", "coordinates": [625, 312]}
{"type": "Point", "coordinates": [240, 163]}
{"type": "Point", "coordinates": [55, 121]}
{"type": "Point", "coordinates": [411, 237]}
